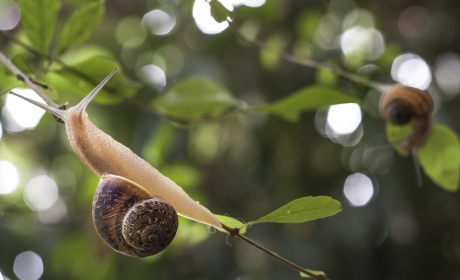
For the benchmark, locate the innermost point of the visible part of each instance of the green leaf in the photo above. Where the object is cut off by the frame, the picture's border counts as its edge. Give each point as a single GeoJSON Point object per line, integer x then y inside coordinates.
{"type": "Point", "coordinates": [397, 133]}
{"type": "Point", "coordinates": [219, 12]}
{"type": "Point", "coordinates": [307, 99]}
{"type": "Point", "coordinates": [38, 18]}
{"type": "Point", "coordinates": [81, 24]}
{"type": "Point", "coordinates": [440, 157]}
{"type": "Point", "coordinates": [8, 82]}
{"type": "Point", "coordinates": [317, 272]}
{"type": "Point", "coordinates": [303, 210]}
{"type": "Point", "coordinates": [231, 222]}
{"type": "Point", "coordinates": [81, 78]}
{"type": "Point", "coordinates": [196, 97]}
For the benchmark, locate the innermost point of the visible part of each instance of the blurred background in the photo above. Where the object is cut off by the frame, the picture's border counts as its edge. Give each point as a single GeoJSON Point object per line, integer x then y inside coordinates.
{"type": "Point", "coordinates": [252, 164]}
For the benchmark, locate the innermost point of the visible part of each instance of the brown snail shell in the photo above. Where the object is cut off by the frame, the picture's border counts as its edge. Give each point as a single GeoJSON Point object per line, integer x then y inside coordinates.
{"type": "Point", "coordinates": [401, 104]}
{"type": "Point", "coordinates": [130, 219]}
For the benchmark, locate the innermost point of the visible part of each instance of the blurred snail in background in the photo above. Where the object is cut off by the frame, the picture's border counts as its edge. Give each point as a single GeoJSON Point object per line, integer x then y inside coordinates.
{"type": "Point", "coordinates": [134, 207]}
{"type": "Point", "coordinates": [407, 105]}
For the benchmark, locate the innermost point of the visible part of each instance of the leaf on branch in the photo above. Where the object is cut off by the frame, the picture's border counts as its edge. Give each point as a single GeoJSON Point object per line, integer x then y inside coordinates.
{"type": "Point", "coordinates": [82, 77]}
{"type": "Point", "coordinates": [307, 99]}
{"type": "Point", "coordinates": [440, 157]}
{"type": "Point", "coordinates": [196, 97]}
{"type": "Point", "coordinates": [38, 19]}
{"type": "Point", "coordinates": [219, 12]}
{"type": "Point", "coordinates": [317, 272]}
{"type": "Point", "coordinates": [303, 210]}
{"type": "Point", "coordinates": [397, 133]}
{"type": "Point", "coordinates": [81, 24]}
{"type": "Point", "coordinates": [231, 222]}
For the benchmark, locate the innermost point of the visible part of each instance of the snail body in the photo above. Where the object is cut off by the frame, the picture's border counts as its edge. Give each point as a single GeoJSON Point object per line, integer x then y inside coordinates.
{"type": "Point", "coordinates": [407, 105]}
{"type": "Point", "coordinates": [103, 155]}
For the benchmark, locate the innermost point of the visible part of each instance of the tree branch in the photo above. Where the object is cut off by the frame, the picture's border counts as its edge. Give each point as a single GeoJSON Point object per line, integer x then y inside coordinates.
{"type": "Point", "coordinates": [305, 62]}
{"type": "Point", "coordinates": [26, 80]}
{"type": "Point", "coordinates": [235, 232]}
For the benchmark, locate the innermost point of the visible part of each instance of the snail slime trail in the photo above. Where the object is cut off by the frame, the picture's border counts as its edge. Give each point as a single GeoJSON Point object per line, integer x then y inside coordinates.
{"type": "Point", "coordinates": [107, 157]}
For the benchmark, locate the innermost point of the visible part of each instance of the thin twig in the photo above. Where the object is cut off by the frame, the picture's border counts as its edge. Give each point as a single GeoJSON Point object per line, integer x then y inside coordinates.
{"type": "Point", "coordinates": [305, 62]}
{"type": "Point", "coordinates": [235, 232]}
{"type": "Point", "coordinates": [418, 169]}
{"type": "Point", "coordinates": [26, 80]}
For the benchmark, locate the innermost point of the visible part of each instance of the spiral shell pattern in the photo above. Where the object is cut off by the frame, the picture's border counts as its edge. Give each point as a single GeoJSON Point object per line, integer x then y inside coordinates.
{"type": "Point", "coordinates": [130, 220]}
{"type": "Point", "coordinates": [400, 104]}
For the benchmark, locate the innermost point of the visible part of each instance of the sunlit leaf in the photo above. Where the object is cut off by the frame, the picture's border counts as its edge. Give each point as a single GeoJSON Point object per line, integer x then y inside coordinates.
{"type": "Point", "coordinates": [307, 99]}
{"type": "Point", "coordinates": [317, 272]}
{"type": "Point", "coordinates": [81, 78]}
{"type": "Point", "coordinates": [219, 12]}
{"type": "Point", "coordinates": [231, 222]}
{"type": "Point", "coordinates": [81, 24]}
{"type": "Point", "coordinates": [196, 97]}
{"type": "Point", "coordinates": [8, 82]}
{"type": "Point", "coordinates": [303, 210]}
{"type": "Point", "coordinates": [440, 157]}
{"type": "Point", "coordinates": [38, 18]}
{"type": "Point", "coordinates": [397, 133]}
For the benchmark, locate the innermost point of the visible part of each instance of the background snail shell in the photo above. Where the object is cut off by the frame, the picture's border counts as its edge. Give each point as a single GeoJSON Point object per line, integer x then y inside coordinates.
{"type": "Point", "coordinates": [130, 220]}
{"type": "Point", "coordinates": [401, 104]}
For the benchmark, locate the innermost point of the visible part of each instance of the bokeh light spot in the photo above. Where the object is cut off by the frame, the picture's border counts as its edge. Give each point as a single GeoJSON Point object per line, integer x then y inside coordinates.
{"type": "Point", "coordinates": [154, 76]}
{"type": "Point", "coordinates": [403, 228]}
{"type": "Point", "coordinates": [9, 14]}
{"type": "Point", "coordinates": [358, 189]}
{"type": "Point", "coordinates": [366, 41]}
{"type": "Point", "coordinates": [205, 22]}
{"type": "Point", "coordinates": [414, 22]}
{"type": "Point", "coordinates": [54, 214]}
{"type": "Point", "coordinates": [249, 3]}
{"type": "Point", "coordinates": [24, 114]}
{"type": "Point", "coordinates": [159, 22]}
{"type": "Point", "coordinates": [129, 31]}
{"type": "Point", "coordinates": [358, 17]}
{"type": "Point", "coordinates": [9, 177]}
{"type": "Point", "coordinates": [411, 70]}
{"type": "Point", "coordinates": [41, 193]}
{"type": "Point", "coordinates": [344, 118]}
{"type": "Point", "coordinates": [447, 73]}
{"type": "Point", "coordinates": [28, 266]}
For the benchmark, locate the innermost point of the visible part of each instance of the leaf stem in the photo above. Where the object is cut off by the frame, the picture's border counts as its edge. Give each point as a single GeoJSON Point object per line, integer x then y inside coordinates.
{"type": "Point", "coordinates": [305, 62]}
{"type": "Point", "coordinates": [235, 232]}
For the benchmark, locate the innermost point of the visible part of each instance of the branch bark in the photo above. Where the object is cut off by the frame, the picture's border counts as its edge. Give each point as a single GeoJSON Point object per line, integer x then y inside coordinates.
{"type": "Point", "coordinates": [235, 232]}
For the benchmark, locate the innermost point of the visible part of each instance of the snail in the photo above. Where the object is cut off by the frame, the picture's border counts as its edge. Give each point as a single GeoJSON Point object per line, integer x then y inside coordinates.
{"type": "Point", "coordinates": [403, 105]}
{"type": "Point", "coordinates": [127, 181]}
